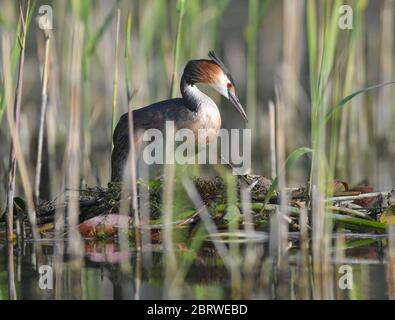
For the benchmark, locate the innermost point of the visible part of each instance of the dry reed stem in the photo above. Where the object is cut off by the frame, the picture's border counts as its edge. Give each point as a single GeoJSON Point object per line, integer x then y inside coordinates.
{"type": "Point", "coordinates": [358, 197]}
{"type": "Point", "coordinates": [281, 226]}
{"type": "Point", "coordinates": [10, 245]}
{"type": "Point", "coordinates": [272, 126]}
{"type": "Point", "coordinates": [73, 151]}
{"type": "Point", "coordinates": [15, 123]}
{"type": "Point", "coordinates": [16, 154]}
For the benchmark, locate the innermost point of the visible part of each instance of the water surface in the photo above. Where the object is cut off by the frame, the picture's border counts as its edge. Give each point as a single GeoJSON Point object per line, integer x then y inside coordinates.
{"type": "Point", "coordinates": [104, 271]}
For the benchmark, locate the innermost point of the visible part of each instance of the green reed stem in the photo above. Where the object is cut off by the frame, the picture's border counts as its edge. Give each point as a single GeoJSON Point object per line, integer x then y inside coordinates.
{"type": "Point", "coordinates": [116, 75]}
{"type": "Point", "coordinates": [177, 47]}
{"type": "Point", "coordinates": [44, 103]}
{"type": "Point", "coordinates": [128, 75]}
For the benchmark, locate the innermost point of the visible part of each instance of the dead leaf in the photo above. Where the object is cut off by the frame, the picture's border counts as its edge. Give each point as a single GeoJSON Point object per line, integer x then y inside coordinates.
{"type": "Point", "coordinates": [364, 188]}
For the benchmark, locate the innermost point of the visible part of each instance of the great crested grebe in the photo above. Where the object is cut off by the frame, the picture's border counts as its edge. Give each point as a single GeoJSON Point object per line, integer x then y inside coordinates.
{"type": "Point", "coordinates": [195, 110]}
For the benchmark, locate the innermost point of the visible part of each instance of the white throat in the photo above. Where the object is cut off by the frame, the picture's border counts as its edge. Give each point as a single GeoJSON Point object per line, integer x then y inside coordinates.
{"type": "Point", "coordinates": [195, 98]}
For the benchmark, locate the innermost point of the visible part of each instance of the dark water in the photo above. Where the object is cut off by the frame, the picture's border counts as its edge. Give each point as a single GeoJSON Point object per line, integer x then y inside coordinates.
{"type": "Point", "coordinates": [104, 271]}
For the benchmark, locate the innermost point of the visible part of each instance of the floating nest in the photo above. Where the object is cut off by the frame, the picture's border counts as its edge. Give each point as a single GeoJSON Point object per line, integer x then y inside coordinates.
{"type": "Point", "coordinates": [100, 201]}
{"type": "Point", "coordinates": [214, 189]}
{"type": "Point", "coordinates": [104, 203]}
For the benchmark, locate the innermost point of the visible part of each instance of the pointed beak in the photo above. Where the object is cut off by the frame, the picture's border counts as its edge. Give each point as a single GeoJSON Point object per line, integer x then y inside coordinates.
{"type": "Point", "coordinates": [235, 100]}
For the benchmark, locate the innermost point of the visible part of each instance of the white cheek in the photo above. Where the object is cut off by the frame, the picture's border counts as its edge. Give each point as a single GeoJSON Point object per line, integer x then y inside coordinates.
{"type": "Point", "coordinates": [222, 85]}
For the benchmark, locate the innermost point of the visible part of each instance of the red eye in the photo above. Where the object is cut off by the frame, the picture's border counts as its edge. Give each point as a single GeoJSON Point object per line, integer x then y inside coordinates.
{"type": "Point", "coordinates": [229, 85]}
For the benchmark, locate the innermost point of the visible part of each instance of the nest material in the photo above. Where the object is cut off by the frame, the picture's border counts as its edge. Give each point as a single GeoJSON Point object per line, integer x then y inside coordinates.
{"type": "Point", "coordinates": [214, 189]}
{"type": "Point", "coordinates": [98, 201]}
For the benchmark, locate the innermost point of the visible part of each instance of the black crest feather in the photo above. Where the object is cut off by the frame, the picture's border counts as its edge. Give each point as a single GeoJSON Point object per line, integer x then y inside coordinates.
{"type": "Point", "coordinates": [219, 62]}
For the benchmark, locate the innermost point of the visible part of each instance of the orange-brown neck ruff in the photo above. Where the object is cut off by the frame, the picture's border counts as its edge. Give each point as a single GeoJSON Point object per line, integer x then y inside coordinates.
{"type": "Point", "coordinates": [201, 71]}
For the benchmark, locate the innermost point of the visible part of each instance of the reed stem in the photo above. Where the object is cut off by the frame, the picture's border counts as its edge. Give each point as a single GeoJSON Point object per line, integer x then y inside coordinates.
{"type": "Point", "coordinates": [116, 75]}
{"type": "Point", "coordinates": [16, 119]}
{"type": "Point", "coordinates": [44, 103]}
{"type": "Point", "coordinates": [177, 47]}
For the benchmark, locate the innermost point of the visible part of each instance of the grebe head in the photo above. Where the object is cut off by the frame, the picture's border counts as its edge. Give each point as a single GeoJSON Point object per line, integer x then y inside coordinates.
{"type": "Point", "coordinates": [214, 73]}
